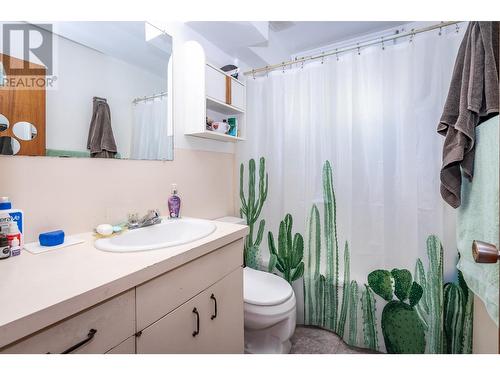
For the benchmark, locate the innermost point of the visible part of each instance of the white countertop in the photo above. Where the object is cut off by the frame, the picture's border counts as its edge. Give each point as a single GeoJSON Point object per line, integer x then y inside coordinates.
{"type": "Point", "coordinates": [39, 290]}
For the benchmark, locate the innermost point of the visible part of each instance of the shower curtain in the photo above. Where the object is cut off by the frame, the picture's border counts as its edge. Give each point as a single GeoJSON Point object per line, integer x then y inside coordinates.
{"type": "Point", "coordinates": [350, 148]}
{"type": "Point", "coordinates": [152, 138]}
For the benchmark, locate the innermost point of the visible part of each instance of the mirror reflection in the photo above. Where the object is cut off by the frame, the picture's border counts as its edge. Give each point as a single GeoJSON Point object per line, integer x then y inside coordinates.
{"type": "Point", "coordinates": [24, 130]}
{"type": "Point", "coordinates": [105, 92]}
{"type": "Point", "coordinates": [4, 123]}
{"type": "Point", "coordinates": [9, 146]}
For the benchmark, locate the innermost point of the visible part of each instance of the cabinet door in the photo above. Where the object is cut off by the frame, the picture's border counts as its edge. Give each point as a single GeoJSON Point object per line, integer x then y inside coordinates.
{"type": "Point", "coordinates": [215, 82]}
{"type": "Point", "coordinates": [189, 329]}
{"type": "Point", "coordinates": [225, 318]}
{"type": "Point", "coordinates": [238, 95]}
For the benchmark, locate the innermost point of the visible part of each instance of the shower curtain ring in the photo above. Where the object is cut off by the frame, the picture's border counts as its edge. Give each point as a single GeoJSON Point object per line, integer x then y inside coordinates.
{"type": "Point", "coordinates": [383, 45]}
{"type": "Point", "coordinates": [337, 53]}
{"type": "Point", "coordinates": [359, 50]}
{"type": "Point", "coordinates": [457, 28]}
{"type": "Point", "coordinates": [440, 31]}
{"type": "Point", "coordinates": [412, 35]}
{"type": "Point", "coordinates": [322, 57]}
{"type": "Point", "coordinates": [283, 67]}
{"type": "Point", "coordinates": [253, 73]}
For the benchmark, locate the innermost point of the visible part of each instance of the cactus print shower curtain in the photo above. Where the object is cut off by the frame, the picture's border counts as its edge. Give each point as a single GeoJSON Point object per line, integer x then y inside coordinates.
{"type": "Point", "coordinates": [340, 186]}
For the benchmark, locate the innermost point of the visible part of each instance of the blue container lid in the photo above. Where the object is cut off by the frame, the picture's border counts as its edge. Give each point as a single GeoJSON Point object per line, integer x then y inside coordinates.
{"type": "Point", "coordinates": [5, 204]}
{"type": "Point", "coordinates": [51, 238]}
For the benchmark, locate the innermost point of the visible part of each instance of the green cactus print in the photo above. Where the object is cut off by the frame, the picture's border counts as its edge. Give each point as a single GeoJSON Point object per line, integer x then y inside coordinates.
{"type": "Point", "coordinates": [251, 209]}
{"type": "Point", "coordinates": [435, 294]}
{"type": "Point", "coordinates": [353, 314]}
{"type": "Point", "coordinates": [402, 329]}
{"type": "Point", "coordinates": [321, 292]}
{"type": "Point", "coordinates": [369, 319]}
{"type": "Point", "coordinates": [454, 305]}
{"type": "Point", "coordinates": [313, 297]}
{"type": "Point", "coordinates": [288, 256]}
{"type": "Point", "coordinates": [401, 326]}
{"type": "Point", "coordinates": [421, 314]}
{"type": "Point", "coordinates": [332, 248]}
{"type": "Point", "coordinates": [345, 292]}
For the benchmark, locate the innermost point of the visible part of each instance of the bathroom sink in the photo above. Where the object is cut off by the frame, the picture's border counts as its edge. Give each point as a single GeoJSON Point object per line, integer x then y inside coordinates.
{"type": "Point", "coordinates": [166, 234]}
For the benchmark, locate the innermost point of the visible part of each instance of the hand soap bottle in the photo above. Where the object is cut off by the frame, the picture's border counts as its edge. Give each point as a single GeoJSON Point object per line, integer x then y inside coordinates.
{"type": "Point", "coordinates": [174, 203]}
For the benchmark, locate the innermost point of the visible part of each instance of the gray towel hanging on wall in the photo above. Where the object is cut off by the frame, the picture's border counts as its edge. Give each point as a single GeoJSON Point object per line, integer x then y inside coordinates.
{"type": "Point", "coordinates": [101, 141]}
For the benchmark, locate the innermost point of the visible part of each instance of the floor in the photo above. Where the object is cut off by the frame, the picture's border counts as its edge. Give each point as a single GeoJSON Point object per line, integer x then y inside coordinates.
{"type": "Point", "coordinates": [312, 340]}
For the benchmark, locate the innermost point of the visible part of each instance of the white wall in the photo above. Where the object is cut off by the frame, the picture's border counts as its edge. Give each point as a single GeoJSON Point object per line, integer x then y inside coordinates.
{"type": "Point", "coordinates": [82, 74]}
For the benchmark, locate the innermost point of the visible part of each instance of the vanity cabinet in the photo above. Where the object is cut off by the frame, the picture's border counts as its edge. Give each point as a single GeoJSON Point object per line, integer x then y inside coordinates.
{"type": "Point", "coordinates": [196, 307]}
{"type": "Point", "coordinates": [211, 322]}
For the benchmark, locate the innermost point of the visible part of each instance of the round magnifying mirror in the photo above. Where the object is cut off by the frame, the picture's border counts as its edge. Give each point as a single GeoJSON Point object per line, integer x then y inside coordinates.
{"type": "Point", "coordinates": [4, 123]}
{"type": "Point", "coordinates": [9, 146]}
{"type": "Point", "coordinates": [24, 130]}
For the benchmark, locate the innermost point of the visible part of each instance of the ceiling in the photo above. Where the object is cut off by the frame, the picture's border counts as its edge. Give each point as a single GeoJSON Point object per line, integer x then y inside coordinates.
{"type": "Point", "coordinates": [262, 43]}
{"type": "Point", "coordinates": [136, 42]}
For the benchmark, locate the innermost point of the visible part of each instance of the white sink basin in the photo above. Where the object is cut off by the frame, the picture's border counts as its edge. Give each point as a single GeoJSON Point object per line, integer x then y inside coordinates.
{"type": "Point", "coordinates": [166, 234]}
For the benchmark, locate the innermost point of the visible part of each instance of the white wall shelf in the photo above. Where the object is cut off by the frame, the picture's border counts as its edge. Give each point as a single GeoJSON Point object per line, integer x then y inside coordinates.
{"type": "Point", "coordinates": [208, 92]}
{"type": "Point", "coordinates": [209, 134]}
{"type": "Point", "coordinates": [221, 107]}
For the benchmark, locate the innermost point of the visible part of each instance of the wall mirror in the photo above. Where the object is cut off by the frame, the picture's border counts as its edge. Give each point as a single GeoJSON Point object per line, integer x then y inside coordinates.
{"type": "Point", "coordinates": [86, 89]}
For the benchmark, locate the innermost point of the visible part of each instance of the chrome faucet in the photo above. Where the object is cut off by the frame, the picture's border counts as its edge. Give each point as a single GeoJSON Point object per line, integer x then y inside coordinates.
{"type": "Point", "coordinates": [151, 218]}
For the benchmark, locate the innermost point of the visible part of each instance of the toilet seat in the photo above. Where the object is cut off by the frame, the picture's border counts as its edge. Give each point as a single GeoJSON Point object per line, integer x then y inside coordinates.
{"type": "Point", "coordinates": [265, 289]}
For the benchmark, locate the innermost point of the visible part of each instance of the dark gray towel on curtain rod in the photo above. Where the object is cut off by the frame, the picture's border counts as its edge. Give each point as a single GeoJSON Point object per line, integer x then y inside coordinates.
{"type": "Point", "coordinates": [101, 141]}
{"type": "Point", "coordinates": [472, 99]}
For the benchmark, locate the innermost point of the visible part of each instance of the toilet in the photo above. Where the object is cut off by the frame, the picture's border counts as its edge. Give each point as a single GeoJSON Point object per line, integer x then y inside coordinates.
{"type": "Point", "coordinates": [270, 313]}
{"type": "Point", "coordinates": [269, 309]}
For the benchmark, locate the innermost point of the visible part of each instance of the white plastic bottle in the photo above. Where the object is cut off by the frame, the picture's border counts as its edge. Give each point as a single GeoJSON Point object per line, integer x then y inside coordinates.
{"type": "Point", "coordinates": [11, 222]}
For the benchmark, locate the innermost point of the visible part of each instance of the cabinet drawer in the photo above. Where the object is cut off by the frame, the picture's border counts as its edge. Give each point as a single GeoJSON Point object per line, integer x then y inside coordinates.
{"type": "Point", "coordinates": [198, 326]}
{"type": "Point", "coordinates": [113, 321]}
{"type": "Point", "coordinates": [215, 82]}
{"type": "Point", "coordinates": [126, 347]}
{"type": "Point", "coordinates": [158, 297]}
{"type": "Point", "coordinates": [238, 95]}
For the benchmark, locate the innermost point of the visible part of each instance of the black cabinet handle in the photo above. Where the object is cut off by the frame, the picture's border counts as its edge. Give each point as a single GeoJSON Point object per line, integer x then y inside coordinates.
{"type": "Point", "coordinates": [197, 322]}
{"type": "Point", "coordinates": [215, 307]}
{"type": "Point", "coordinates": [90, 336]}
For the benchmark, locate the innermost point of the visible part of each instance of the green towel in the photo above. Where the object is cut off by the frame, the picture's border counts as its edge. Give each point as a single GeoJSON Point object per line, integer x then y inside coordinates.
{"type": "Point", "coordinates": [478, 216]}
{"type": "Point", "coordinates": [72, 154]}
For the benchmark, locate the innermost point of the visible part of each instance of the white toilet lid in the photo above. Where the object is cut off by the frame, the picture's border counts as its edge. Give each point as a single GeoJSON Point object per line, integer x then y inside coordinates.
{"type": "Point", "coordinates": [264, 289]}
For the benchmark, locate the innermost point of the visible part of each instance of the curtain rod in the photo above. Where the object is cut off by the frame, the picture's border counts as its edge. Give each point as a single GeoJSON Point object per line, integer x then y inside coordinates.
{"type": "Point", "coordinates": [143, 98]}
{"type": "Point", "coordinates": [358, 46]}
